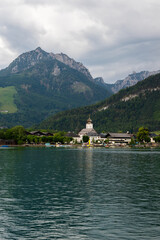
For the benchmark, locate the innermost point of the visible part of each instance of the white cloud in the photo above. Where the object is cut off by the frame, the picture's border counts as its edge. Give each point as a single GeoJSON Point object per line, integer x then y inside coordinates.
{"type": "Point", "coordinates": [111, 37]}
{"type": "Point", "coordinates": [5, 53]}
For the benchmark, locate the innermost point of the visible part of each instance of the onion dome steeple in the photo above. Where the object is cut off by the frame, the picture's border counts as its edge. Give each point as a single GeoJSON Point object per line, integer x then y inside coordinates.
{"type": "Point", "coordinates": [89, 120]}
{"type": "Point", "coordinates": [89, 123]}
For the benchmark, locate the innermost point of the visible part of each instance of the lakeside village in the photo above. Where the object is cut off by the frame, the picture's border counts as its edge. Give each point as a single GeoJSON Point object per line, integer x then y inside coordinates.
{"type": "Point", "coordinates": [87, 137]}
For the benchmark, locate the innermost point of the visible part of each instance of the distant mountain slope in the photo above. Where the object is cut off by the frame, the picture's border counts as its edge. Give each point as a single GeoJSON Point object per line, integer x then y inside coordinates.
{"type": "Point", "coordinates": [44, 85]}
{"type": "Point", "coordinates": [125, 111]}
{"type": "Point", "coordinates": [129, 81]}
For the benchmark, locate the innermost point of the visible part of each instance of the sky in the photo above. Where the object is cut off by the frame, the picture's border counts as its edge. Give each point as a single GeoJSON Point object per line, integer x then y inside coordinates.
{"type": "Point", "coordinates": [112, 38]}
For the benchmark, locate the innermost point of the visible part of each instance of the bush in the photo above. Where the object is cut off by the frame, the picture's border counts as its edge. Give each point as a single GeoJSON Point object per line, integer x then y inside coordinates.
{"type": "Point", "coordinates": [157, 139]}
{"type": "Point", "coordinates": [143, 135]}
{"type": "Point", "coordinates": [85, 139]}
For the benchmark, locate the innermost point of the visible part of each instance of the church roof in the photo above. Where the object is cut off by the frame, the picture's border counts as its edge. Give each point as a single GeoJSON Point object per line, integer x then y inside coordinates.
{"type": "Point", "coordinates": [88, 132]}
{"type": "Point", "coordinates": [89, 120]}
{"type": "Point", "coordinates": [72, 134]}
{"type": "Point", "coordinates": [93, 133]}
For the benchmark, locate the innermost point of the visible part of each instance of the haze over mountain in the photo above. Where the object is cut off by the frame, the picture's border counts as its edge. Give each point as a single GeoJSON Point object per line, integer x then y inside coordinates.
{"type": "Point", "coordinates": [127, 110]}
{"type": "Point", "coordinates": [37, 84]}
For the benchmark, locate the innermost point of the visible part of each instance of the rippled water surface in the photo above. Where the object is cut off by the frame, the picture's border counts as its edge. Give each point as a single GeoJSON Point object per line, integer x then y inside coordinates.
{"type": "Point", "coordinates": [79, 194]}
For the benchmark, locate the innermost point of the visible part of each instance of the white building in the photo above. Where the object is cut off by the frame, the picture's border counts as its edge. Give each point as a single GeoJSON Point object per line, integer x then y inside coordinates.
{"type": "Point", "coordinates": [89, 131]}
{"type": "Point", "coordinates": [116, 138]}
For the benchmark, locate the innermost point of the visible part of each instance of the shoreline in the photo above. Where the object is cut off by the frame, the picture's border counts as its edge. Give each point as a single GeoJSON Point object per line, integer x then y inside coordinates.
{"type": "Point", "coordinates": [141, 146]}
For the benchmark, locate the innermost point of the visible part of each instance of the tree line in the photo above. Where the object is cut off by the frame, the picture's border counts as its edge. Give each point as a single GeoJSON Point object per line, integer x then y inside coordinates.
{"type": "Point", "coordinates": [19, 135]}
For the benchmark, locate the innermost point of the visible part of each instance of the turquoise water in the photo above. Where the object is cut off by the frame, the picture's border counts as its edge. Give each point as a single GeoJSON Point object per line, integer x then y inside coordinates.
{"type": "Point", "coordinates": [48, 193]}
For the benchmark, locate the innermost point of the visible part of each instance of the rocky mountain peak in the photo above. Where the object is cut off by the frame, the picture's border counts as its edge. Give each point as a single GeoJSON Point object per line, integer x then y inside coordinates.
{"type": "Point", "coordinates": [39, 49]}
{"type": "Point", "coordinates": [29, 59]}
{"type": "Point", "coordinates": [99, 80]}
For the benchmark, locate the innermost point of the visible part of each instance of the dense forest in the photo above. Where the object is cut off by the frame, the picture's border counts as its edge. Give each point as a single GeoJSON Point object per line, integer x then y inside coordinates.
{"type": "Point", "coordinates": [127, 110]}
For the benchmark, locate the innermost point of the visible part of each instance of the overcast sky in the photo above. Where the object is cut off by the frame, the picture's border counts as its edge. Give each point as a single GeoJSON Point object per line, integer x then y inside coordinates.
{"type": "Point", "coordinates": [112, 38]}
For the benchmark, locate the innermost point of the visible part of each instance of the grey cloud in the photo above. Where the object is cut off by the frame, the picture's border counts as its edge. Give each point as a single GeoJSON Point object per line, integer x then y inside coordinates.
{"type": "Point", "coordinates": [117, 63]}
{"type": "Point", "coordinates": [20, 38]}
{"type": "Point", "coordinates": [111, 37]}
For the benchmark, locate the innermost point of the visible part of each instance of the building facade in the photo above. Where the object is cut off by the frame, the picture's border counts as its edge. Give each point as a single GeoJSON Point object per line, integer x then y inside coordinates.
{"type": "Point", "coordinates": [89, 131]}
{"type": "Point", "coordinates": [116, 138]}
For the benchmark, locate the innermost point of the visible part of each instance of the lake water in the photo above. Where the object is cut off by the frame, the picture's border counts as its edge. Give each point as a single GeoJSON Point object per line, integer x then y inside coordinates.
{"type": "Point", "coordinates": [48, 193]}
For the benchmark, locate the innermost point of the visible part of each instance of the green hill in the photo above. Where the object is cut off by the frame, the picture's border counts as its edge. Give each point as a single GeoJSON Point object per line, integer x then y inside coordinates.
{"type": "Point", "coordinates": [7, 104]}
{"type": "Point", "coordinates": [125, 111]}
{"type": "Point", "coordinates": [39, 85]}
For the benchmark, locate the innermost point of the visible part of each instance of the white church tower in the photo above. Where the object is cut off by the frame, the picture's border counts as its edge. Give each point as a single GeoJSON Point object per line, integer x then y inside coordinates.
{"type": "Point", "coordinates": [89, 124]}
{"type": "Point", "coordinates": [89, 131]}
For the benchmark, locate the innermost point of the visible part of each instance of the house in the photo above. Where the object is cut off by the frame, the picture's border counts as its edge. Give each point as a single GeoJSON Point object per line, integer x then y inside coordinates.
{"type": "Point", "coordinates": [39, 133]}
{"type": "Point", "coordinates": [3, 127]}
{"type": "Point", "coordinates": [7, 142]}
{"type": "Point", "coordinates": [73, 135]}
{"type": "Point", "coordinates": [117, 137]}
{"type": "Point", "coordinates": [36, 133]}
{"type": "Point", "coordinates": [89, 131]}
{"type": "Point", "coordinates": [47, 134]}
{"type": "Point", "coordinates": [152, 136]}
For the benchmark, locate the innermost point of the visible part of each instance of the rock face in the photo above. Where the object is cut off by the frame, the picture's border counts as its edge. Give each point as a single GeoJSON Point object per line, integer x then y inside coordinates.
{"type": "Point", "coordinates": [99, 81]}
{"type": "Point", "coordinates": [72, 64]}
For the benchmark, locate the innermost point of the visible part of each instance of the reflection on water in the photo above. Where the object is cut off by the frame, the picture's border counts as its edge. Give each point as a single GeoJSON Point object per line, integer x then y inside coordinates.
{"type": "Point", "coordinates": [79, 194]}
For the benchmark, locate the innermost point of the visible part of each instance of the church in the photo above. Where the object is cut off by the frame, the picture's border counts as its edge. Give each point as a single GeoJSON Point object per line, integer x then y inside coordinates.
{"type": "Point", "coordinates": [89, 131]}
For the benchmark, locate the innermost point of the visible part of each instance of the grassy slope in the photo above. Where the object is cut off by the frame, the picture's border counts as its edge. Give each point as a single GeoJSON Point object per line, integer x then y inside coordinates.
{"type": "Point", "coordinates": [7, 99]}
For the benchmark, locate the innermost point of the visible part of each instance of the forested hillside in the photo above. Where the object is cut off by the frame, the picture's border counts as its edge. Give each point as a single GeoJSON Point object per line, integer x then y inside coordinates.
{"type": "Point", "coordinates": [125, 111]}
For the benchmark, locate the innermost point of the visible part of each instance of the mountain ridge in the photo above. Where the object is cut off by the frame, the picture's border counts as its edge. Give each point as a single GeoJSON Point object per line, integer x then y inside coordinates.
{"type": "Point", "coordinates": [127, 110]}
{"type": "Point", "coordinates": [132, 79]}
{"type": "Point", "coordinates": [29, 59]}
{"type": "Point", "coordinates": [128, 81]}
{"type": "Point", "coordinates": [45, 85]}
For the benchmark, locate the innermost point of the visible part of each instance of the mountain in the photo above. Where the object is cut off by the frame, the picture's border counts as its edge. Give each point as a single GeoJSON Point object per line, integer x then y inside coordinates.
{"type": "Point", "coordinates": [38, 84]}
{"type": "Point", "coordinates": [100, 82]}
{"type": "Point", "coordinates": [127, 110]}
{"type": "Point", "coordinates": [29, 59]}
{"type": "Point", "coordinates": [129, 81]}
